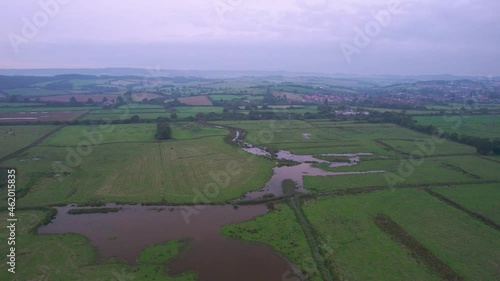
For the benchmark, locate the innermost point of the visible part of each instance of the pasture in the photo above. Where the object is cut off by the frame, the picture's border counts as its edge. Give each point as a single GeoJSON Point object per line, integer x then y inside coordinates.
{"type": "Point", "coordinates": [233, 97]}
{"type": "Point", "coordinates": [33, 92]}
{"type": "Point", "coordinates": [196, 100]}
{"type": "Point", "coordinates": [17, 137]}
{"type": "Point", "coordinates": [78, 97]}
{"type": "Point", "coordinates": [397, 174]}
{"type": "Point", "coordinates": [280, 230]}
{"type": "Point", "coordinates": [128, 166]}
{"type": "Point", "coordinates": [27, 110]}
{"type": "Point", "coordinates": [129, 133]}
{"type": "Point", "coordinates": [19, 104]}
{"type": "Point", "coordinates": [463, 243]}
{"type": "Point", "coordinates": [39, 116]}
{"type": "Point", "coordinates": [191, 111]}
{"type": "Point", "coordinates": [484, 126]}
{"type": "Point", "coordinates": [92, 164]}
{"type": "Point", "coordinates": [480, 198]}
{"type": "Point", "coordinates": [340, 137]}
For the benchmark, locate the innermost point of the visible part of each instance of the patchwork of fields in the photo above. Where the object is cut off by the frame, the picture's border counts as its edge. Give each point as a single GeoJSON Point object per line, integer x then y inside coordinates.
{"type": "Point", "coordinates": [124, 164]}
{"type": "Point", "coordinates": [454, 235]}
{"type": "Point", "coordinates": [433, 213]}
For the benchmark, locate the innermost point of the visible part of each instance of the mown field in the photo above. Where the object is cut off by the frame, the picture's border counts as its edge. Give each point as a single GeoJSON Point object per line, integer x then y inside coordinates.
{"type": "Point", "coordinates": [282, 232]}
{"type": "Point", "coordinates": [481, 198]}
{"type": "Point", "coordinates": [126, 165]}
{"type": "Point", "coordinates": [216, 98]}
{"type": "Point", "coordinates": [16, 137]}
{"type": "Point", "coordinates": [150, 113]}
{"type": "Point", "coordinates": [484, 126]}
{"type": "Point", "coordinates": [340, 137]}
{"type": "Point", "coordinates": [466, 245]}
{"type": "Point", "coordinates": [409, 112]}
{"type": "Point", "coordinates": [353, 245]}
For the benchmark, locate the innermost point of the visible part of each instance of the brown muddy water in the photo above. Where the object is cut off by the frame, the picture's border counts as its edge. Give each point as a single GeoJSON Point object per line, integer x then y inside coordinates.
{"type": "Point", "coordinates": [211, 255]}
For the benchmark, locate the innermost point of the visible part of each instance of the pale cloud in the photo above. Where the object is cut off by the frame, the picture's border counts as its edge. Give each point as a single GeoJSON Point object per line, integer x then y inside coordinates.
{"type": "Point", "coordinates": [426, 36]}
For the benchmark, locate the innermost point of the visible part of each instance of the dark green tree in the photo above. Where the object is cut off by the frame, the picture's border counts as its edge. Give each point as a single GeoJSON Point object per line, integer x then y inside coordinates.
{"type": "Point", "coordinates": [135, 119]}
{"type": "Point", "coordinates": [163, 131]}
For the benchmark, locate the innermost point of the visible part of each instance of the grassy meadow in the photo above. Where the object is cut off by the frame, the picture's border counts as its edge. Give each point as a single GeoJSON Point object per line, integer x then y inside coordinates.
{"type": "Point", "coordinates": [129, 166]}
{"type": "Point", "coordinates": [481, 198]}
{"type": "Point", "coordinates": [282, 232]}
{"type": "Point", "coordinates": [17, 137]}
{"type": "Point", "coordinates": [92, 164]}
{"type": "Point", "coordinates": [463, 243]}
{"type": "Point", "coordinates": [484, 126]}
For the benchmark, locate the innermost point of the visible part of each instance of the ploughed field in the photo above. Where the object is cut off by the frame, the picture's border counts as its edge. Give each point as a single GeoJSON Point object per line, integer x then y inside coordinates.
{"type": "Point", "coordinates": [431, 215]}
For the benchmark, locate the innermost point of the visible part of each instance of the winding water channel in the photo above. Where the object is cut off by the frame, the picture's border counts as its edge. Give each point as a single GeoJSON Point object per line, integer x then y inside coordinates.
{"type": "Point", "coordinates": [304, 167]}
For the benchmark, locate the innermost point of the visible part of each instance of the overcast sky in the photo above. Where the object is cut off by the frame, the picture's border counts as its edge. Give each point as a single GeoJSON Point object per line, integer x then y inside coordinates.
{"type": "Point", "coordinates": [330, 36]}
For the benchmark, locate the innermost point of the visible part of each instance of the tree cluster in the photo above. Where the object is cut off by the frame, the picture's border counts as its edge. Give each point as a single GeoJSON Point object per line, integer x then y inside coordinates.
{"type": "Point", "coordinates": [163, 131]}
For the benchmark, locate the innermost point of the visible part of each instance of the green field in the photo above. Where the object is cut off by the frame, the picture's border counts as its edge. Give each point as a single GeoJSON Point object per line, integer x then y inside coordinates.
{"type": "Point", "coordinates": [463, 243]}
{"type": "Point", "coordinates": [46, 109]}
{"type": "Point", "coordinates": [409, 111]}
{"type": "Point", "coordinates": [425, 145]}
{"type": "Point", "coordinates": [73, 135]}
{"type": "Point", "coordinates": [216, 98]}
{"type": "Point", "coordinates": [150, 113]}
{"type": "Point", "coordinates": [339, 137]}
{"type": "Point", "coordinates": [20, 104]}
{"type": "Point", "coordinates": [484, 126]}
{"type": "Point", "coordinates": [429, 173]}
{"type": "Point", "coordinates": [93, 164]}
{"type": "Point", "coordinates": [32, 92]}
{"type": "Point", "coordinates": [138, 169]}
{"type": "Point", "coordinates": [130, 133]}
{"type": "Point", "coordinates": [128, 111]}
{"type": "Point", "coordinates": [483, 199]}
{"type": "Point", "coordinates": [141, 106]}
{"type": "Point", "coordinates": [280, 230]}
{"type": "Point", "coordinates": [125, 116]}
{"type": "Point", "coordinates": [191, 111]}
{"type": "Point", "coordinates": [17, 137]}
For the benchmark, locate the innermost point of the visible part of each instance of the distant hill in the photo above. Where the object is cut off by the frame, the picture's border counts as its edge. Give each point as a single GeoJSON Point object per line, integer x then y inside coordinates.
{"type": "Point", "coordinates": [375, 79]}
